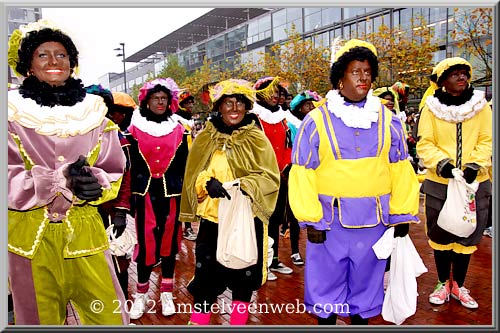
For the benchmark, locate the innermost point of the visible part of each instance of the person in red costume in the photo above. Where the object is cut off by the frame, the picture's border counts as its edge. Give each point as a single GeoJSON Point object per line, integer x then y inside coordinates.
{"type": "Point", "coordinates": [158, 152]}
{"type": "Point", "coordinates": [272, 120]}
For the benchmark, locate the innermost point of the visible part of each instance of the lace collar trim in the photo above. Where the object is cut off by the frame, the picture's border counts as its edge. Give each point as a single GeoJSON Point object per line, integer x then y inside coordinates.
{"type": "Point", "coordinates": [457, 113]}
{"type": "Point", "coordinates": [352, 115]}
{"type": "Point", "coordinates": [59, 120]}
{"type": "Point", "coordinates": [151, 127]}
{"type": "Point", "coordinates": [267, 115]}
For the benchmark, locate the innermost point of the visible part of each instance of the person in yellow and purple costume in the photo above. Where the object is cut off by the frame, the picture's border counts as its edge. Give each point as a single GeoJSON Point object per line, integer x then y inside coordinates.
{"type": "Point", "coordinates": [350, 181]}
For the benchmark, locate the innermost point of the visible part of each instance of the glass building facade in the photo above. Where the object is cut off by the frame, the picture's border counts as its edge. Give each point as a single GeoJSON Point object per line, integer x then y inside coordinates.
{"type": "Point", "coordinates": [248, 41]}
{"type": "Point", "coordinates": [17, 16]}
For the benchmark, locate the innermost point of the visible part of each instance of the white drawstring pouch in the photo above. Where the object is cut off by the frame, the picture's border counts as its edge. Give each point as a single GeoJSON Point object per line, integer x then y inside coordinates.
{"type": "Point", "coordinates": [458, 215]}
{"type": "Point", "coordinates": [236, 242]}
{"type": "Point", "coordinates": [123, 245]}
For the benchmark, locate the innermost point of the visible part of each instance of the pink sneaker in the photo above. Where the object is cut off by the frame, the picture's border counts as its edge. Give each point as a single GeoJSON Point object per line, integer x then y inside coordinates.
{"type": "Point", "coordinates": [441, 293]}
{"type": "Point", "coordinates": [462, 294]}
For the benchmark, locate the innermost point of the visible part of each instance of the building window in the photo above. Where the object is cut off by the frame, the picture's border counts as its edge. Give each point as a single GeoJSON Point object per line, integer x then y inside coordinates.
{"type": "Point", "coordinates": [17, 14]}
{"type": "Point", "coordinates": [279, 18]}
{"type": "Point", "coordinates": [312, 21]}
{"type": "Point", "coordinates": [353, 12]}
{"type": "Point", "coordinates": [283, 20]}
{"type": "Point", "coordinates": [215, 47]}
{"type": "Point", "coordinates": [405, 17]}
{"type": "Point", "coordinates": [259, 30]}
{"type": "Point", "coordinates": [438, 56]}
{"type": "Point", "coordinates": [13, 26]}
{"type": "Point", "coordinates": [331, 16]}
{"type": "Point", "coordinates": [437, 14]}
{"type": "Point", "coordinates": [322, 40]}
{"type": "Point", "coordinates": [254, 57]}
{"type": "Point", "coordinates": [236, 39]}
{"type": "Point", "coordinates": [309, 11]}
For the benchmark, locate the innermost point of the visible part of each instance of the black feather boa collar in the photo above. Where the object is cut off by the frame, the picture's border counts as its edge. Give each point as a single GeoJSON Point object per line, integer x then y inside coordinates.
{"type": "Point", "coordinates": [448, 99]}
{"type": "Point", "coordinates": [44, 94]}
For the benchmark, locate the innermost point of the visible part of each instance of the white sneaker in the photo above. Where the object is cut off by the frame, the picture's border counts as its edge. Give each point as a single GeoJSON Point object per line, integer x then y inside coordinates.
{"type": "Point", "coordinates": [139, 306]}
{"type": "Point", "coordinates": [167, 304]}
{"type": "Point", "coordinates": [281, 268]}
{"type": "Point", "coordinates": [271, 276]}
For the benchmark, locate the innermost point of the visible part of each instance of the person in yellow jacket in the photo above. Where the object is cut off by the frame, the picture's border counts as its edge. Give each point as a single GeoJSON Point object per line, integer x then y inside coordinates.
{"type": "Point", "coordinates": [455, 131]}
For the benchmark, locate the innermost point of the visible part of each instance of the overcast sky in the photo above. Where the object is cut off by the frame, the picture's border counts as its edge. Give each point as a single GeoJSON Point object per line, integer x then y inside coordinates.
{"type": "Point", "coordinates": [97, 31]}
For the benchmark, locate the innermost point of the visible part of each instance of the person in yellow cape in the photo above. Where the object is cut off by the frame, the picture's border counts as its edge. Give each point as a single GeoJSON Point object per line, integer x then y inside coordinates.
{"type": "Point", "coordinates": [231, 147]}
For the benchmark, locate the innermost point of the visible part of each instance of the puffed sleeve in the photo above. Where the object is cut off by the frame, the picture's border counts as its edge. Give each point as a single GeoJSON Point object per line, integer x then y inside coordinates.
{"type": "Point", "coordinates": [481, 154]}
{"type": "Point", "coordinates": [427, 147]}
{"type": "Point", "coordinates": [404, 201]}
{"type": "Point", "coordinates": [29, 185]}
{"type": "Point", "coordinates": [108, 163]}
{"type": "Point", "coordinates": [303, 193]}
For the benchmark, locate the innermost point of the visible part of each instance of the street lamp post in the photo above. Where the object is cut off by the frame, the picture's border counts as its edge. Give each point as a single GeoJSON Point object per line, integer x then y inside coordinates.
{"type": "Point", "coordinates": [122, 48]}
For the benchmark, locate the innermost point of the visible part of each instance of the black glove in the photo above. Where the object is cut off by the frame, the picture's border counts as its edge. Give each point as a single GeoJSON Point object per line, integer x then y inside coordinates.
{"type": "Point", "coordinates": [82, 183]}
{"type": "Point", "coordinates": [86, 186]}
{"type": "Point", "coordinates": [76, 167]}
{"type": "Point", "coordinates": [446, 170]}
{"type": "Point", "coordinates": [215, 189]}
{"type": "Point", "coordinates": [315, 236]}
{"type": "Point", "coordinates": [470, 175]}
{"type": "Point", "coordinates": [401, 230]}
{"type": "Point", "coordinates": [119, 222]}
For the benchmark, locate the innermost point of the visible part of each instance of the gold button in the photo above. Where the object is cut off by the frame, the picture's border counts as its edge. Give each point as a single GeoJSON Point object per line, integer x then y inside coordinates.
{"type": "Point", "coordinates": [157, 147]}
{"type": "Point", "coordinates": [358, 149]}
{"type": "Point", "coordinates": [157, 175]}
{"type": "Point", "coordinates": [357, 132]}
{"type": "Point", "coordinates": [55, 215]}
{"type": "Point", "coordinates": [61, 158]}
{"type": "Point", "coordinates": [157, 161]}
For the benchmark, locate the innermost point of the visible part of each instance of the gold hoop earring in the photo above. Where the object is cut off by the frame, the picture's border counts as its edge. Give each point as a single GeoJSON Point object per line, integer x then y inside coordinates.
{"type": "Point", "coordinates": [341, 85]}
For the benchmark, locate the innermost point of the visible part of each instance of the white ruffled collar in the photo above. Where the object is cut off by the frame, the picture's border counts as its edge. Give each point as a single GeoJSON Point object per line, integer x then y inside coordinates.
{"type": "Point", "coordinates": [183, 121]}
{"type": "Point", "coordinates": [267, 115]}
{"type": "Point", "coordinates": [290, 118]}
{"type": "Point", "coordinates": [151, 127]}
{"type": "Point", "coordinates": [61, 121]}
{"type": "Point", "coordinates": [352, 115]}
{"type": "Point", "coordinates": [457, 113]}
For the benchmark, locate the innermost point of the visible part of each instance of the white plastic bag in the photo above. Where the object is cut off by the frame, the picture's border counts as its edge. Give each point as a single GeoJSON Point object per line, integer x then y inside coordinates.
{"type": "Point", "coordinates": [236, 242]}
{"type": "Point", "coordinates": [400, 300]}
{"type": "Point", "coordinates": [458, 215]}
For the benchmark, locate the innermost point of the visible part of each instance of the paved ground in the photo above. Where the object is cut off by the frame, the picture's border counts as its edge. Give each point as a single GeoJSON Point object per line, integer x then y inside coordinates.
{"type": "Point", "coordinates": [289, 289]}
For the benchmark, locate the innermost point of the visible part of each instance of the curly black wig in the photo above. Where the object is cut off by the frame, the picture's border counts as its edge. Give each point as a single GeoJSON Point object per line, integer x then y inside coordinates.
{"type": "Point", "coordinates": [356, 53]}
{"type": "Point", "coordinates": [155, 89]}
{"type": "Point", "coordinates": [239, 98]}
{"type": "Point", "coordinates": [387, 93]}
{"type": "Point", "coordinates": [447, 72]}
{"type": "Point", "coordinates": [34, 39]}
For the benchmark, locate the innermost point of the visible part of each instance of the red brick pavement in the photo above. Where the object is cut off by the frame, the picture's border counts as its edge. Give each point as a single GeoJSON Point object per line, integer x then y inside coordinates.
{"type": "Point", "coordinates": [289, 289]}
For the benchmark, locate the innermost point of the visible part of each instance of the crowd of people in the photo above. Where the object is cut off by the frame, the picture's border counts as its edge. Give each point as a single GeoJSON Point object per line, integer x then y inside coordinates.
{"type": "Point", "coordinates": [83, 161]}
